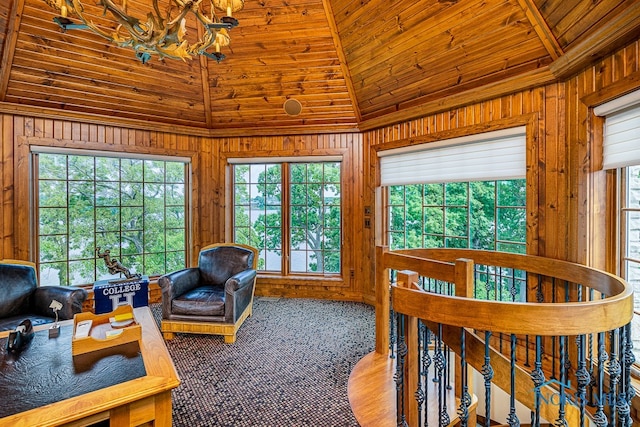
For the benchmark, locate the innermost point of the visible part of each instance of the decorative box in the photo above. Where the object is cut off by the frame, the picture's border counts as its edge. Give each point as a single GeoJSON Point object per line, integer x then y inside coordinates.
{"type": "Point", "coordinates": [104, 330]}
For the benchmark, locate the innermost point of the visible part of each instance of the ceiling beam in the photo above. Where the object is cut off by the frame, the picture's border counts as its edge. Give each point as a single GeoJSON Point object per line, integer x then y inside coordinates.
{"type": "Point", "coordinates": [204, 75]}
{"type": "Point", "coordinates": [331, 19]}
{"type": "Point", "coordinates": [6, 62]}
{"type": "Point", "coordinates": [541, 28]}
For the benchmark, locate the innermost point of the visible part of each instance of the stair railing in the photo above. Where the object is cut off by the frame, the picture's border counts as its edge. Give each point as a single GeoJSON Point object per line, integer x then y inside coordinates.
{"type": "Point", "coordinates": [555, 336]}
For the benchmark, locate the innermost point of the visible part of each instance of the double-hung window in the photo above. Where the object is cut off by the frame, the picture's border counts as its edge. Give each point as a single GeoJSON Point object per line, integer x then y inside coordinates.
{"type": "Point", "coordinates": [135, 207]}
{"type": "Point", "coordinates": [291, 211]}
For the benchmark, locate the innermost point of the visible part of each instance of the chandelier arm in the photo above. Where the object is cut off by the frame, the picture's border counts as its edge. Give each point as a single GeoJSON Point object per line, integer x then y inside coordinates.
{"type": "Point", "coordinates": [78, 10]}
{"type": "Point", "coordinates": [187, 7]}
{"type": "Point", "coordinates": [156, 9]}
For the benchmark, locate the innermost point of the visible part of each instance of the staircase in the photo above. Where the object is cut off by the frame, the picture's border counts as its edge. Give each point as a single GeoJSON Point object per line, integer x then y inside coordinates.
{"type": "Point", "coordinates": [527, 340]}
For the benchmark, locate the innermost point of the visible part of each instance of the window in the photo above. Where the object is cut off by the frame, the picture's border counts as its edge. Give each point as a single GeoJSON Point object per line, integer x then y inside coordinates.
{"type": "Point", "coordinates": [621, 152]}
{"type": "Point", "coordinates": [489, 215]}
{"type": "Point", "coordinates": [133, 207]}
{"type": "Point", "coordinates": [630, 247]}
{"type": "Point", "coordinates": [292, 213]}
{"type": "Point", "coordinates": [467, 192]}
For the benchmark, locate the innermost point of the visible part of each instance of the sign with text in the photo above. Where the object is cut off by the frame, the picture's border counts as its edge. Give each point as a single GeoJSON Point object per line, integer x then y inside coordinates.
{"type": "Point", "coordinates": [109, 295]}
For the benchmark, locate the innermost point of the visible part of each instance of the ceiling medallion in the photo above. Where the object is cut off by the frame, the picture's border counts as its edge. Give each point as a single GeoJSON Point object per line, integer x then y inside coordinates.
{"type": "Point", "coordinates": [161, 34]}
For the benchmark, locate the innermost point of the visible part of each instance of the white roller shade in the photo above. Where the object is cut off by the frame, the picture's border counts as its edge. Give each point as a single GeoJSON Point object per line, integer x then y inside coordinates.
{"type": "Point", "coordinates": [488, 156]}
{"type": "Point", "coordinates": [621, 146]}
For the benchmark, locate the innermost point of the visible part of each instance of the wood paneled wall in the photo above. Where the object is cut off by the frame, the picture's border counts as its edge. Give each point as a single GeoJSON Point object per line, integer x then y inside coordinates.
{"type": "Point", "coordinates": [209, 198]}
{"type": "Point", "coordinates": [349, 146]}
{"type": "Point", "coordinates": [568, 198]}
{"type": "Point", "coordinates": [570, 213]}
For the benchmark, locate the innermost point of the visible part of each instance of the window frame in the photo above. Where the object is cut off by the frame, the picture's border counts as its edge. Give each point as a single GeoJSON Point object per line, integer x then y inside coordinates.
{"type": "Point", "coordinates": [285, 162]}
{"type": "Point", "coordinates": [36, 150]}
{"type": "Point", "coordinates": [622, 209]}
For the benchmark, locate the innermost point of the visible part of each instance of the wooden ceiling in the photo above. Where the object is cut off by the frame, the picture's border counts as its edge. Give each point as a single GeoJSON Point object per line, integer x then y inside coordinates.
{"type": "Point", "coordinates": [352, 64]}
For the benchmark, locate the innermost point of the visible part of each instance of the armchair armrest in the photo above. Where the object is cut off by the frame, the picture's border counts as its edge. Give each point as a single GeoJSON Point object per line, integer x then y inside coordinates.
{"type": "Point", "coordinates": [71, 298]}
{"type": "Point", "coordinates": [239, 280]}
{"type": "Point", "coordinates": [238, 291]}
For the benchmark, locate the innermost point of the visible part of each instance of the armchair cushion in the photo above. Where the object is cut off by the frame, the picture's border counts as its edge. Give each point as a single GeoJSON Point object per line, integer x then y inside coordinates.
{"type": "Point", "coordinates": [201, 301]}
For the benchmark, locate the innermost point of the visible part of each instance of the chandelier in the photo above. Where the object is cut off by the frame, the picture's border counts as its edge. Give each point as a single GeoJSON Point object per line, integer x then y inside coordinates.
{"type": "Point", "coordinates": [162, 34]}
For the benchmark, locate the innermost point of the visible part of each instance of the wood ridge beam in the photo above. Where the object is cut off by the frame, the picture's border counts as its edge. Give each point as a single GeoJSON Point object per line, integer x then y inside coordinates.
{"type": "Point", "coordinates": [343, 59]}
{"type": "Point", "coordinates": [541, 28]}
{"type": "Point", "coordinates": [14, 18]}
{"type": "Point", "coordinates": [204, 76]}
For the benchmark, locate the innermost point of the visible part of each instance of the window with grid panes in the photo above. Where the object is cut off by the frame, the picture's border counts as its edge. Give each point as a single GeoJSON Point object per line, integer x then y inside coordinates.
{"type": "Point", "coordinates": [133, 207]}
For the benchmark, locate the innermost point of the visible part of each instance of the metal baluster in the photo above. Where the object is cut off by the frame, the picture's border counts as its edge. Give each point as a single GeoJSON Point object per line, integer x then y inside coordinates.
{"type": "Point", "coordinates": [487, 373]}
{"type": "Point", "coordinates": [392, 321]}
{"type": "Point", "coordinates": [512, 418]}
{"type": "Point", "coordinates": [600, 418]}
{"type": "Point", "coordinates": [465, 398]}
{"type": "Point", "coordinates": [628, 390]}
{"type": "Point", "coordinates": [399, 376]}
{"type": "Point", "coordinates": [561, 421]}
{"type": "Point", "coordinates": [513, 289]}
{"type": "Point", "coordinates": [614, 370]}
{"type": "Point", "coordinates": [539, 293]}
{"type": "Point", "coordinates": [583, 377]}
{"type": "Point", "coordinates": [537, 375]}
{"type": "Point", "coordinates": [393, 333]}
{"type": "Point", "coordinates": [419, 393]}
{"type": "Point", "coordinates": [526, 299]}
{"type": "Point", "coordinates": [426, 364]}
{"type": "Point", "coordinates": [440, 365]}
{"type": "Point", "coordinates": [553, 339]}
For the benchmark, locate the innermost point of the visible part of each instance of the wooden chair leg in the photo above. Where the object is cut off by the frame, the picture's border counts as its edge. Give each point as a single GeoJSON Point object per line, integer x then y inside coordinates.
{"type": "Point", "coordinates": [168, 335]}
{"type": "Point", "coordinates": [230, 339]}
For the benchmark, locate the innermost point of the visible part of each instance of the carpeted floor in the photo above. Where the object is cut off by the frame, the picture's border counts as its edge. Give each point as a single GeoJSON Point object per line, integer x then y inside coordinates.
{"type": "Point", "coordinates": [289, 366]}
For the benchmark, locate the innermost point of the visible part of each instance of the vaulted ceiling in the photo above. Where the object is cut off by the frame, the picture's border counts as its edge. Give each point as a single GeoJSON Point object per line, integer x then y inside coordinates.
{"type": "Point", "coordinates": [352, 64]}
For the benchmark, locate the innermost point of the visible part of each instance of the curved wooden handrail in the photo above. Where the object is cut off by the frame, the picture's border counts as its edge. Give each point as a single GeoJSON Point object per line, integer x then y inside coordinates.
{"type": "Point", "coordinates": [599, 280]}
{"type": "Point", "coordinates": [547, 319]}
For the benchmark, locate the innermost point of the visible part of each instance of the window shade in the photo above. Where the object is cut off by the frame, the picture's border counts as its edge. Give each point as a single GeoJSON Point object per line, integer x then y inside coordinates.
{"type": "Point", "coordinates": [621, 146]}
{"type": "Point", "coordinates": [488, 156]}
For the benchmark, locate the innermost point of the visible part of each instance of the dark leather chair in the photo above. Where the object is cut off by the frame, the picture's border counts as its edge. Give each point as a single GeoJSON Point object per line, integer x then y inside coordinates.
{"type": "Point", "coordinates": [21, 298]}
{"type": "Point", "coordinates": [213, 298]}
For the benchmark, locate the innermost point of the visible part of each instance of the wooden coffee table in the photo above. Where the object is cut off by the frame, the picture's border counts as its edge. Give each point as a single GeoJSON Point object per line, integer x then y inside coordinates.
{"type": "Point", "coordinates": [132, 403]}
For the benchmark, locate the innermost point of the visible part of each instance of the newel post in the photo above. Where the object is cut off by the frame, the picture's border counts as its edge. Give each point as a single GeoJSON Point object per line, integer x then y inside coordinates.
{"type": "Point", "coordinates": [411, 371]}
{"type": "Point", "coordinates": [464, 285]}
{"type": "Point", "coordinates": [383, 302]}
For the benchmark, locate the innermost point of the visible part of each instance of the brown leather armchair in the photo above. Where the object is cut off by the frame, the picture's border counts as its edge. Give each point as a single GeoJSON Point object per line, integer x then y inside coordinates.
{"type": "Point", "coordinates": [213, 298]}
{"type": "Point", "coordinates": [21, 298]}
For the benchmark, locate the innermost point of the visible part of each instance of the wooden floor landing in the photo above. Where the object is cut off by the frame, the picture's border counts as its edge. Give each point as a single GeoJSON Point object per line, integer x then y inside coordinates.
{"type": "Point", "coordinates": [372, 393]}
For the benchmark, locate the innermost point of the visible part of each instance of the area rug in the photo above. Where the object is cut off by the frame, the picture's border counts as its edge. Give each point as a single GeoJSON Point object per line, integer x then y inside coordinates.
{"type": "Point", "coordinates": [288, 367]}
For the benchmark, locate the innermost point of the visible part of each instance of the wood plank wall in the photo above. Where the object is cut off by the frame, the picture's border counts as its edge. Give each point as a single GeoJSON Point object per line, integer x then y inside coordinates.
{"type": "Point", "coordinates": [568, 217]}
{"type": "Point", "coordinates": [349, 146]}
{"type": "Point", "coordinates": [566, 201]}
{"type": "Point", "coordinates": [209, 221]}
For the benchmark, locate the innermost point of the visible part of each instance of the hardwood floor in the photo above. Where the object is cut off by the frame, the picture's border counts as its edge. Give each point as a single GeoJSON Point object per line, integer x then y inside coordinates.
{"type": "Point", "coordinates": [372, 393]}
